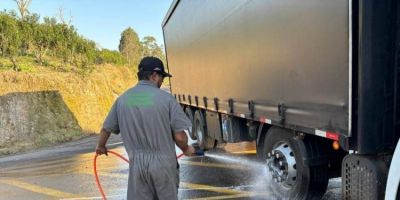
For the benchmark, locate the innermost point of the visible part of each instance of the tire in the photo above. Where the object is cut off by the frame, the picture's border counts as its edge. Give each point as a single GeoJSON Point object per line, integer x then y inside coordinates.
{"type": "Point", "coordinates": [262, 131]}
{"type": "Point", "coordinates": [189, 113]}
{"type": "Point", "coordinates": [204, 141]}
{"type": "Point", "coordinates": [298, 181]}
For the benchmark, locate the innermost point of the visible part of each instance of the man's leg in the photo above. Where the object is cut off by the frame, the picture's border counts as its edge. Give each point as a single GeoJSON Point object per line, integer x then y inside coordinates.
{"type": "Point", "coordinates": [138, 186]}
{"type": "Point", "coordinates": [165, 178]}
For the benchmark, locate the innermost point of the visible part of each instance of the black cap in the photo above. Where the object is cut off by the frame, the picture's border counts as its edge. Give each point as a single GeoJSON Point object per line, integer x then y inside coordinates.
{"type": "Point", "coordinates": [153, 64]}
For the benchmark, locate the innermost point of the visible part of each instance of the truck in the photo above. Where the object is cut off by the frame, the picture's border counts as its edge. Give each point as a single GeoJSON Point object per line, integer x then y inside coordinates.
{"type": "Point", "coordinates": [314, 82]}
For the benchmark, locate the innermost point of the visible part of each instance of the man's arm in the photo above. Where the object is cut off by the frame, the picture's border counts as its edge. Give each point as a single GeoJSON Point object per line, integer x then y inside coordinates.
{"type": "Point", "coordinates": [110, 125]}
{"type": "Point", "coordinates": [181, 141]}
{"type": "Point", "coordinates": [101, 145]}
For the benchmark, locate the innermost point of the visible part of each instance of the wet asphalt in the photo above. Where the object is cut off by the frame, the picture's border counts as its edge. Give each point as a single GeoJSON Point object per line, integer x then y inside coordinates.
{"type": "Point", "coordinates": [66, 172]}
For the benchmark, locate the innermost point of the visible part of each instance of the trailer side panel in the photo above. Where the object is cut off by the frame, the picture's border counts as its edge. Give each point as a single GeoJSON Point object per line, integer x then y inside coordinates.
{"type": "Point", "coordinates": [270, 52]}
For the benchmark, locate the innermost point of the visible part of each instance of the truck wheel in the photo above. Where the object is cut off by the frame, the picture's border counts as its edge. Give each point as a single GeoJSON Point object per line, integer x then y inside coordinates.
{"type": "Point", "coordinates": [200, 129]}
{"type": "Point", "coordinates": [291, 177]}
{"type": "Point", "coordinates": [189, 114]}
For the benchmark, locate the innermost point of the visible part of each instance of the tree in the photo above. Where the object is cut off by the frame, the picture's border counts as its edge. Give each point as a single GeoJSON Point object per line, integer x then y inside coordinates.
{"type": "Point", "coordinates": [10, 39]}
{"type": "Point", "coordinates": [44, 39]}
{"type": "Point", "coordinates": [151, 48]}
{"type": "Point", "coordinates": [130, 46]}
{"type": "Point", "coordinates": [62, 17]}
{"type": "Point", "coordinates": [25, 27]}
{"type": "Point", "coordinates": [29, 37]}
{"type": "Point", "coordinates": [27, 30]}
{"type": "Point", "coordinates": [23, 7]}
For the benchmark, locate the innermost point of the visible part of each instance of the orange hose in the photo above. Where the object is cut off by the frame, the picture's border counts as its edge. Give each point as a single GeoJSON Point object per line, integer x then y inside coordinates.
{"type": "Point", "coordinates": [97, 177]}
{"type": "Point", "coordinates": [179, 156]}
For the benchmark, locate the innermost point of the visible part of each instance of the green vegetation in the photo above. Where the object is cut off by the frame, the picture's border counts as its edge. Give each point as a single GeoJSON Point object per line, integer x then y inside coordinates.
{"type": "Point", "coordinates": [108, 56]}
{"type": "Point", "coordinates": [151, 48]}
{"type": "Point", "coordinates": [130, 46]}
{"type": "Point", "coordinates": [28, 42]}
{"type": "Point", "coordinates": [68, 84]}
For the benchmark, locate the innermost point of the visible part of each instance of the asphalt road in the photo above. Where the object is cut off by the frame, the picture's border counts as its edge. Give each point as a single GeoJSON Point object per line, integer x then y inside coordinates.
{"type": "Point", "coordinates": [66, 172]}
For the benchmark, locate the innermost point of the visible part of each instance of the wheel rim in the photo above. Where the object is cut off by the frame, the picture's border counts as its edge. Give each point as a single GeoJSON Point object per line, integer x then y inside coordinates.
{"type": "Point", "coordinates": [282, 165]}
{"type": "Point", "coordinates": [199, 133]}
{"type": "Point", "coordinates": [192, 132]}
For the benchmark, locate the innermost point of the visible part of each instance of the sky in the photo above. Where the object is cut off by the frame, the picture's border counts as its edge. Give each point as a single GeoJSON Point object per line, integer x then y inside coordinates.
{"type": "Point", "coordinates": [104, 20]}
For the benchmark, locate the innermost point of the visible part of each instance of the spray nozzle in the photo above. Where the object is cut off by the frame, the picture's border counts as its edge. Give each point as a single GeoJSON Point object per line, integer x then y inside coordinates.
{"type": "Point", "coordinates": [198, 150]}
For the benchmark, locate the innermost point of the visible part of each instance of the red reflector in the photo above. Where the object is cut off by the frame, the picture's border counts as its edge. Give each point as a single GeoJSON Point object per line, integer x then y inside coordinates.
{"type": "Point", "coordinates": [333, 136]}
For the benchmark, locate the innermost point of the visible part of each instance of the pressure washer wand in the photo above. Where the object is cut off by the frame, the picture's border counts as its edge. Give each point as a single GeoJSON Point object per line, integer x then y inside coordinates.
{"type": "Point", "coordinates": [198, 150]}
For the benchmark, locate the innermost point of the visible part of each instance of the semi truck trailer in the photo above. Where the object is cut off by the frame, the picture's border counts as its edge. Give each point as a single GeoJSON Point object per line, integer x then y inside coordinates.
{"type": "Point", "coordinates": [314, 82]}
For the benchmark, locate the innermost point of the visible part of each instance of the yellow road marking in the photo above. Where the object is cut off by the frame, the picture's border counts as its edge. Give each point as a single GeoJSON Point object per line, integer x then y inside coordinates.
{"type": "Point", "coordinates": [194, 186]}
{"type": "Point", "coordinates": [212, 165]}
{"type": "Point", "coordinates": [183, 184]}
{"type": "Point", "coordinates": [231, 192]}
{"type": "Point", "coordinates": [121, 196]}
{"type": "Point", "coordinates": [113, 175]}
{"type": "Point", "coordinates": [70, 165]}
{"type": "Point", "coordinates": [68, 162]}
{"type": "Point", "coordinates": [210, 188]}
{"type": "Point", "coordinates": [245, 152]}
{"type": "Point", "coordinates": [38, 189]}
{"type": "Point", "coordinates": [39, 164]}
{"type": "Point", "coordinates": [225, 197]}
{"type": "Point", "coordinates": [31, 172]}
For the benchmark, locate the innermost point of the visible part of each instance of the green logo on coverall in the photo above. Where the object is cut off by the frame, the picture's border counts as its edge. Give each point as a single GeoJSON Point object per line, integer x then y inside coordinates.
{"type": "Point", "coordinates": [144, 99]}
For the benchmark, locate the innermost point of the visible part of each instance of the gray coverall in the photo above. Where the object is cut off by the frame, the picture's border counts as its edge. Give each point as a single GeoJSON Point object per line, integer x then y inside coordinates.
{"type": "Point", "coordinates": [147, 117]}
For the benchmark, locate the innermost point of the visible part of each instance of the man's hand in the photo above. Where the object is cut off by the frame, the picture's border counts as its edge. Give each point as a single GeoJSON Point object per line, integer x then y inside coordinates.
{"type": "Point", "coordinates": [101, 145]}
{"type": "Point", "coordinates": [190, 151]}
{"type": "Point", "coordinates": [101, 150]}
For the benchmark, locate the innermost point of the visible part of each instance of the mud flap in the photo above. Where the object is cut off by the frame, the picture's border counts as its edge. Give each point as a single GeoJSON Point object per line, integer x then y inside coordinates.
{"type": "Point", "coordinates": [363, 177]}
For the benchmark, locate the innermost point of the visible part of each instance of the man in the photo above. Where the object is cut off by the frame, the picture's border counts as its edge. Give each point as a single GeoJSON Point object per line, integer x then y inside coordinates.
{"type": "Point", "coordinates": [145, 116]}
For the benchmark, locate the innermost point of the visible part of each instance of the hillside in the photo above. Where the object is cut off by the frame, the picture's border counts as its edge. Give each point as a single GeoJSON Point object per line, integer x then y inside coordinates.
{"type": "Point", "coordinates": [55, 84]}
{"type": "Point", "coordinates": [47, 107]}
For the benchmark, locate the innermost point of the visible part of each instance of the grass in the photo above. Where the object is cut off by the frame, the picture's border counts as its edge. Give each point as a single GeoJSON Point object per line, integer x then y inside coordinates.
{"type": "Point", "coordinates": [29, 64]}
